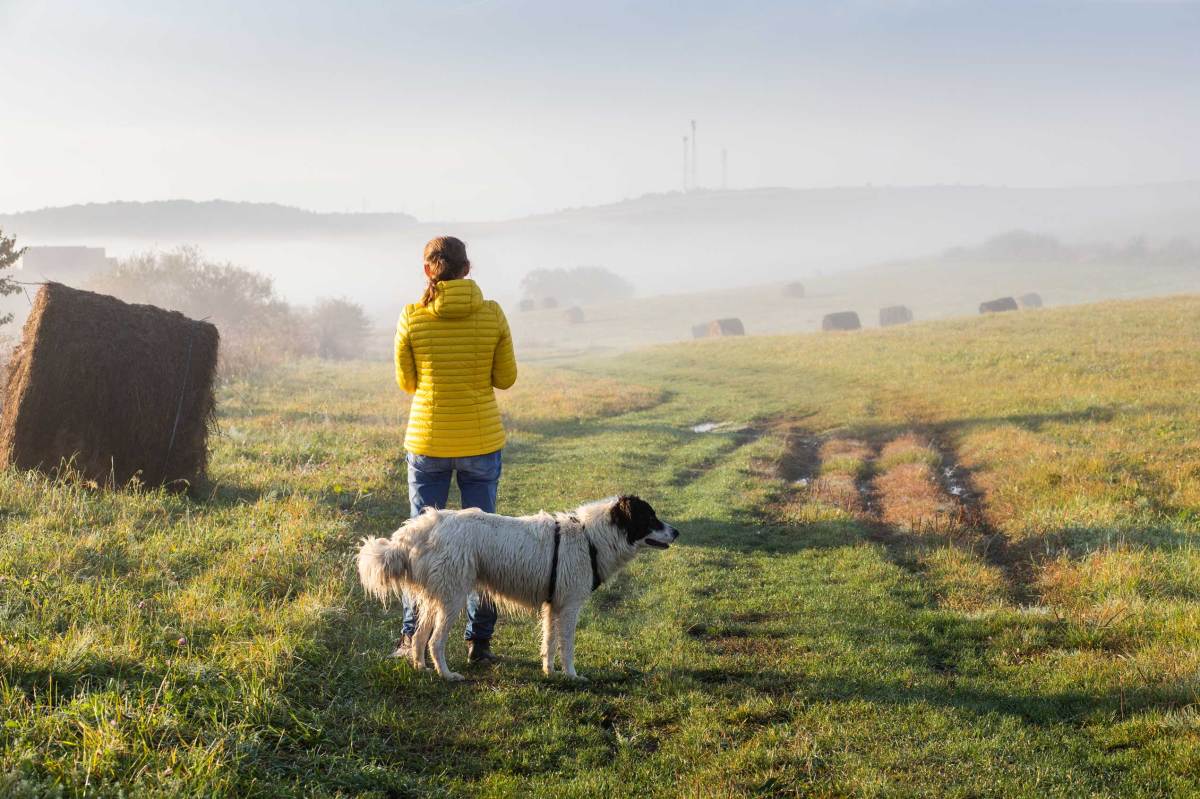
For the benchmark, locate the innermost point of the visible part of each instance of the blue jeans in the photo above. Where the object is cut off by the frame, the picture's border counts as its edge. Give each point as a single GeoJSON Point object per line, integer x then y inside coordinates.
{"type": "Point", "coordinates": [429, 486]}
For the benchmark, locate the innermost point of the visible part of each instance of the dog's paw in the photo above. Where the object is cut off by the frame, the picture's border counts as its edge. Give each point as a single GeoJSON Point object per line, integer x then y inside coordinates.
{"type": "Point", "coordinates": [453, 676]}
{"type": "Point", "coordinates": [576, 678]}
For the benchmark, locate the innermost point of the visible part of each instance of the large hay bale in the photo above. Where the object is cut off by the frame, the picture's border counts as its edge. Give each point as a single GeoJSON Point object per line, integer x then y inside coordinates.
{"type": "Point", "coordinates": [574, 315]}
{"type": "Point", "coordinates": [730, 326]}
{"type": "Point", "coordinates": [526, 304]}
{"type": "Point", "coordinates": [793, 290]}
{"type": "Point", "coordinates": [1030, 300]}
{"type": "Point", "coordinates": [841, 320]}
{"type": "Point", "coordinates": [549, 302]}
{"type": "Point", "coordinates": [895, 315]}
{"type": "Point", "coordinates": [116, 390]}
{"type": "Point", "coordinates": [998, 306]}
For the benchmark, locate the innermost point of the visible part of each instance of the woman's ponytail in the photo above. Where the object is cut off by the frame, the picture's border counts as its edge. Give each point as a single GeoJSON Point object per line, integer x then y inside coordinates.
{"type": "Point", "coordinates": [446, 259]}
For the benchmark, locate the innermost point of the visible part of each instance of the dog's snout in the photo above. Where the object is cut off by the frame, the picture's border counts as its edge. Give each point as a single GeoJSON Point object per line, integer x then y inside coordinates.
{"type": "Point", "coordinates": [674, 532]}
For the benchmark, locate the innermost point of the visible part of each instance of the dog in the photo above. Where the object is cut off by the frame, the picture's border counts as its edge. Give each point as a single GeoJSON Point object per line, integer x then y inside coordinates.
{"type": "Point", "coordinates": [550, 563]}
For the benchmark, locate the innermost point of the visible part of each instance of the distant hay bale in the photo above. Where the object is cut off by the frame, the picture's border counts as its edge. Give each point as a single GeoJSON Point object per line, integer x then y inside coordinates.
{"type": "Point", "coordinates": [730, 326]}
{"type": "Point", "coordinates": [842, 320]}
{"type": "Point", "coordinates": [998, 306]}
{"type": "Point", "coordinates": [793, 290]}
{"type": "Point", "coordinates": [115, 390]}
{"type": "Point", "coordinates": [895, 315]}
{"type": "Point", "coordinates": [574, 315]}
{"type": "Point", "coordinates": [549, 302]}
{"type": "Point", "coordinates": [526, 304]}
{"type": "Point", "coordinates": [1030, 300]}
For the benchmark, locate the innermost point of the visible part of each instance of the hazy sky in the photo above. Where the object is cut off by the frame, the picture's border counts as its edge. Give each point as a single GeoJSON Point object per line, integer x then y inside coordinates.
{"type": "Point", "coordinates": [492, 109]}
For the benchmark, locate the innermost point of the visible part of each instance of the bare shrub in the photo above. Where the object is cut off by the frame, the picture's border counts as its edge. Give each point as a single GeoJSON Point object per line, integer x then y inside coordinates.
{"type": "Point", "coordinates": [579, 286]}
{"type": "Point", "coordinates": [257, 328]}
{"type": "Point", "coordinates": [340, 328]}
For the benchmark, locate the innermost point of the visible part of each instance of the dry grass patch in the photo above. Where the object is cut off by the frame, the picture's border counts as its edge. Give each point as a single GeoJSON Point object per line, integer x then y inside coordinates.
{"type": "Point", "coordinates": [911, 496]}
{"type": "Point", "coordinates": [838, 490]}
{"type": "Point", "coordinates": [909, 448]}
{"type": "Point", "coordinates": [563, 396]}
{"type": "Point", "coordinates": [845, 456]}
{"type": "Point", "coordinates": [911, 500]}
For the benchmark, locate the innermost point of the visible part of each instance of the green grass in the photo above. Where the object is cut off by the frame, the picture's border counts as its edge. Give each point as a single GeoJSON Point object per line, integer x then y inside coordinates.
{"type": "Point", "coordinates": [156, 645]}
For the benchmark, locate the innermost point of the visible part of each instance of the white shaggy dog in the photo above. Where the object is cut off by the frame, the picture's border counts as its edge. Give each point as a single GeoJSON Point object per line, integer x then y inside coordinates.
{"type": "Point", "coordinates": [545, 562]}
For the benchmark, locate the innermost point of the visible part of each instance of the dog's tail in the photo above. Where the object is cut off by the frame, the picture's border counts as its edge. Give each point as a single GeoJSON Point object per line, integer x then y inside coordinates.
{"type": "Point", "coordinates": [382, 568]}
{"type": "Point", "coordinates": [383, 564]}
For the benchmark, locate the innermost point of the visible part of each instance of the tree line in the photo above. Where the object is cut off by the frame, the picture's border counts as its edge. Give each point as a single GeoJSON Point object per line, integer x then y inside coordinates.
{"type": "Point", "coordinates": [258, 328]}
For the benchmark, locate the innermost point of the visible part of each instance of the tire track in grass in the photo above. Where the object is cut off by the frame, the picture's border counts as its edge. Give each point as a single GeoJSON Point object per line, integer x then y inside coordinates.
{"type": "Point", "coordinates": [930, 511]}
{"type": "Point", "coordinates": [913, 496]}
{"type": "Point", "coordinates": [733, 440]}
{"type": "Point", "coordinates": [834, 472]}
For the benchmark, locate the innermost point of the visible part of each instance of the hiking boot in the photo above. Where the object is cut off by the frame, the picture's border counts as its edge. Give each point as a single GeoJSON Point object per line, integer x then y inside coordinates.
{"type": "Point", "coordinates": [479, 652]}
{"type": "Point", "coordinates": [403, 646]}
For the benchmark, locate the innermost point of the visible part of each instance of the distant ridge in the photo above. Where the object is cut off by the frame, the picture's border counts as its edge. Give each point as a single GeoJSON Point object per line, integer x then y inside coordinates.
{"type": "Point", "coordinates": [785, 202]}
{"type": "Point", "coordinates": [186, 219]}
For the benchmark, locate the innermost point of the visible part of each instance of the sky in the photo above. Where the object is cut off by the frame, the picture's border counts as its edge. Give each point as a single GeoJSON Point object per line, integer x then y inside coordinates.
{"type": "Point", "coordinates": [468, 111]}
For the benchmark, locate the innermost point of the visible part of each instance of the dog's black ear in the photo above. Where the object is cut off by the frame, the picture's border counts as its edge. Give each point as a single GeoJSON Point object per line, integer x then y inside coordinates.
{"type": "Point", "coordinates": [622, 512]}
{"type": "Point", "coordinates": [634, 516]}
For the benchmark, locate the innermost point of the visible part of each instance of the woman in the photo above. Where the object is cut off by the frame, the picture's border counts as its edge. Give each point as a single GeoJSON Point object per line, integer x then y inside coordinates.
{"type": "Point", "coordinates": [452, 348]}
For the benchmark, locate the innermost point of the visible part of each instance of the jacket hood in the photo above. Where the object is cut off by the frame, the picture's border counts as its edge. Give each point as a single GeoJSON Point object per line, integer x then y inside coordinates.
{"type": "Point", "coordinates": [456, 298]}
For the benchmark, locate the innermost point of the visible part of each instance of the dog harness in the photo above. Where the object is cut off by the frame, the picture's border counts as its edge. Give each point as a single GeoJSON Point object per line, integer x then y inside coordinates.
{"type": "Point", "coordinates": [593, 556]}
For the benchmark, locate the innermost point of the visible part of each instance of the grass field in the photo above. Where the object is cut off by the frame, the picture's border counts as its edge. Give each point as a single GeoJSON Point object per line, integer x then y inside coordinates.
{"type": "Point", "coordinates": [948, 559]}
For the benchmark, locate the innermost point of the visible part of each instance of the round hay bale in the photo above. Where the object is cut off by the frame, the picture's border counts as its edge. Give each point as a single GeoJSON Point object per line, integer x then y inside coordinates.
{"type": "Point", "coordinates": [1030, 300]}
{"type": "Point", "coordinates": [526, 304]}
{"type": "Point", "coordinates": [574, 315]}
{"type": "Point", "coordinates": [115, 390]}
{"type": "Point", "coordinates": [998, 306]}
{"type": "Point", "coordinates": [895, 315]}
{"type": "Point", "coordinates": [549, 302]}
{"type": "Point", "coordinates": [730, 326]}
{"type": "Point", "coordinates": [793, 290]}
{"type": "Point", "coordinates": [841, 320]}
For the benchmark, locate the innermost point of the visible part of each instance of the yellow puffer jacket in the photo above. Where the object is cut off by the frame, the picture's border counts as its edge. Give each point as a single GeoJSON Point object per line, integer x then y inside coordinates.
{"type": "Point", "coordinates": [450, 355]}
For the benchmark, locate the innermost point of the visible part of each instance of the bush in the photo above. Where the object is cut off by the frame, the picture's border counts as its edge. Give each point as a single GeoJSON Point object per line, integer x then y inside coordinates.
{"type": "Point", "coordinates": [579, 286]}
{"type": "Point", "coordinates": [257, 328]}
{"type": "Point", "coordinates": [340, 328]}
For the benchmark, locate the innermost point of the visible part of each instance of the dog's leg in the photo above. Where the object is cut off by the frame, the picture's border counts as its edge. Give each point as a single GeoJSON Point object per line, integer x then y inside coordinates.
{"type": "Point", "coordinates": [420, 639]}
{"type": "Point", "coordinates": [549, 638]}
{"type": "Point", "coordinates": [567, 619]}
{"type": "Point", "coordinates": [445, 616]}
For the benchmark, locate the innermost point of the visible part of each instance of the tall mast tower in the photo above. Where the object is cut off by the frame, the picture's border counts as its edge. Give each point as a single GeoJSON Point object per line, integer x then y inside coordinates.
{"type": "Point", "coordinates": [695, 174]}
{"type": "Point", "coordinates": [685, 163]}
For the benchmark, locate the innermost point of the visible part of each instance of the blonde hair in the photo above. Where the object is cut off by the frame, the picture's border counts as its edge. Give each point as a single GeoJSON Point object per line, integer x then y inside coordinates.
{"type": "Point", "coordinates": [446, 258]}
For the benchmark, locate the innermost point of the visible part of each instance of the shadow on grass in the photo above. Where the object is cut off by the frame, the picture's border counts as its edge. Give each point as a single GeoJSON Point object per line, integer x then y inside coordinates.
{"type": "Point", "coordinates": [1033, 422]}
{"type": "Point", "coordinates": [1041, 709]}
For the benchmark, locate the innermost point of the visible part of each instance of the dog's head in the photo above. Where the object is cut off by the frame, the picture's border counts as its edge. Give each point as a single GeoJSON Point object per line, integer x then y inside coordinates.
{"type": "Point", "coordinates": [634, 517]}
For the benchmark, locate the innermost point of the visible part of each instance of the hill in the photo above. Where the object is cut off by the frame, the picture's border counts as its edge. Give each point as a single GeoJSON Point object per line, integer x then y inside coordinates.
{"type": "Point", "coordinates": [663, 244]}
{"type": "Point", "coordinates": [183, 221]}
